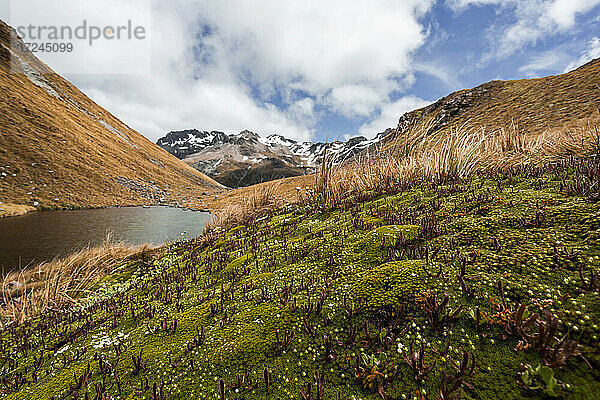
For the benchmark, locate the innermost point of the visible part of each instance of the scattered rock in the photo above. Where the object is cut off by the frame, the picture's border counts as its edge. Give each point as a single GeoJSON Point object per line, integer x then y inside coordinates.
{"type": "Point", "coordinates": [14, 285]}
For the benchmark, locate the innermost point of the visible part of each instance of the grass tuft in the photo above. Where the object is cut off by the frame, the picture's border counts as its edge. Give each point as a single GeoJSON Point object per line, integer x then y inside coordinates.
{"type": "Point", "coordinates": [58, 283]}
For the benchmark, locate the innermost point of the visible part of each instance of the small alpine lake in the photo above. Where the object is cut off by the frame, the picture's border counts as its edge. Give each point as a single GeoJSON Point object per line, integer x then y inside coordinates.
{"type": "Point", "coordinates": [41, 236]}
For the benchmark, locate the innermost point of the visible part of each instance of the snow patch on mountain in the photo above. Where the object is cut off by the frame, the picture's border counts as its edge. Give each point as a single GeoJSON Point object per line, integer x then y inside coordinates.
{"type": "Point", "coordinates": [222, 155]}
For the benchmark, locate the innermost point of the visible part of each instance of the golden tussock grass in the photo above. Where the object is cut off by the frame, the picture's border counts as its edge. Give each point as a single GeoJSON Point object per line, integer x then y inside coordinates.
{"type": "Point", "coordinates": [418, 156]}
{"type": "Point", "coordinates": [456, 155]}
{"type": "Point", "coordinates": [254, 202]}
{"type": "Point", "coordinates": [459, 154]}
{"type": "Point", "coordinates": [57, 284]}
{"type": "Point", "coordinates": [11, 210]}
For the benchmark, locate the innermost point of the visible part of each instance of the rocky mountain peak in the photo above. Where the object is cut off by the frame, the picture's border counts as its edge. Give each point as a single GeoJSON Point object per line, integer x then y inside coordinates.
{"type": "Point", "coordinates": [247, 158]}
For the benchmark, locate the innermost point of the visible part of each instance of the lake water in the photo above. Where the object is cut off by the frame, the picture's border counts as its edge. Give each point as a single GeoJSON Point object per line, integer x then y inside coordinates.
{"type": "Point", "coordinates": [41, 236]}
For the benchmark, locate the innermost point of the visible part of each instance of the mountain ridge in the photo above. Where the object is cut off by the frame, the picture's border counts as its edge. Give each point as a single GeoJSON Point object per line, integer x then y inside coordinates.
{"type": "Point", "coordinates": [247, 158]}
{"type": "Point", "coordinates": [533, 106]}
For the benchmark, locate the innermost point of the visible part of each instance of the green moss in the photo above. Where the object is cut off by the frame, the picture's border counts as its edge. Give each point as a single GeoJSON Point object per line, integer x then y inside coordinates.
{"type": "Point", "coordinates": [349, 258]}
{"type": "Point", "coordinates": [239, 262]}
{"type": "Point", "coordinates": [389, 284]}
{"type": "Point", "coordinates": [393, 232]}
{"type": "Point", "coordinates": [54, 386]}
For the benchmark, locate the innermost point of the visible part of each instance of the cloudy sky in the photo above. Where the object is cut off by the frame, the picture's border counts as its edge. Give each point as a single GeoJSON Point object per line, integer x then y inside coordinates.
{"type": "Point", "coordinates": [326, 70]}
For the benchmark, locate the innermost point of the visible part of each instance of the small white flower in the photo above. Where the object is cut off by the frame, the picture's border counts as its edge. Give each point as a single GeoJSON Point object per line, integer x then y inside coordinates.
{"type": "Point", "coordinates": [400, 347]}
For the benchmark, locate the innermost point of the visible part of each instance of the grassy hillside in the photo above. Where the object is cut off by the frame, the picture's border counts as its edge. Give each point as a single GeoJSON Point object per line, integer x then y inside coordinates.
{"type": "Point", "coordinates": [484, 287]}
{"type": "Point", "coordinates": [534, 106]}
{"type": "Point", "coordinates": [60, 149]}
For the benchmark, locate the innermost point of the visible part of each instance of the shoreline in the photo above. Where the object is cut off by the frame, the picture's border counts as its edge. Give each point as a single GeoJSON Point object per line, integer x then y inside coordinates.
{"type": "Point", "coordinates": [8, 210]}
{"type": "Point", "coordinates": [14, 210]}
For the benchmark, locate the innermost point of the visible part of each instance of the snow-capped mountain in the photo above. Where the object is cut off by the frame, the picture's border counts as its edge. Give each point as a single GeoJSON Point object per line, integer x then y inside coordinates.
{"type": "Point", "coordinates": [246, 158]}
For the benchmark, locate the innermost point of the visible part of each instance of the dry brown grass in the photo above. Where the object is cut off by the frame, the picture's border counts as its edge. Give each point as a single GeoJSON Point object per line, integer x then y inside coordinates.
{"type": "Point", "coordinates": [418, 156]}
{"type": "Point", "coordinates": [254, 202]}
{"type": "Point", "coordinates": [56, 284]}
{"type": "Point", "coordinates": [11, 210]}
{"type": "Point", "coordinates": [458, 155]}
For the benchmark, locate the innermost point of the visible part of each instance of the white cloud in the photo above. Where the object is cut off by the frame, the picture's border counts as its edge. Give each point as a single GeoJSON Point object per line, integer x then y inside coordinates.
{"type": "Point", "coordinates": [206, 106]}
{"type": "Point", "coordinates": [347, 55]}
{"type": "Point", "coordinates": [265, 66]}
{"type": "Point", "coordinates": [390, 113]}
{"type": "Point", "coordinates": [181, 92]}
{"type": "Point", "coordinates": [356, 100]}
{"type": "Point", "coordinates": [548, 60]}
{"type": "Point", "coordinates": [303, 110]}
{"type": "Point", "coordinates": [592, 52]}
{"type": "Point", "coordinates": [461, 5]}
{"type": "Point", "coordinates": [321, 44]}
{"type": "Point", "coordinates": [534, 20]}
{"type": "Point", "coordinates": [441, 72]}
{"type": "Point", "coordinates": [35, 20]}
{"type": "Point", "coordinates": [563, 12]}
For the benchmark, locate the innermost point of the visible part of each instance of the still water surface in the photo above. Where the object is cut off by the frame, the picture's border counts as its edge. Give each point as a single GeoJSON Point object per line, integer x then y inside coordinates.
{"type": "Point", "coordinates": [41, 236]}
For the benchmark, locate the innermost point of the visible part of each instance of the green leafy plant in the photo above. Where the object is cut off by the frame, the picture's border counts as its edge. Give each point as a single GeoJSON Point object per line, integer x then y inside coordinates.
{"type": "Point", "coordinates": [371, 370]}
{"type": "Point", "coordinates": [540, 378]}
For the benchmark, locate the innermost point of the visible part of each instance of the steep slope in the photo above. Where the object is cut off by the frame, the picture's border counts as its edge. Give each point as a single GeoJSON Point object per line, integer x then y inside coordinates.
{"type": "Point", "coordinates": [533, 105]}
{"type": "Point", "coordinates": [247, 158]}
{"type": "Point", "coordinates": [60, 149]}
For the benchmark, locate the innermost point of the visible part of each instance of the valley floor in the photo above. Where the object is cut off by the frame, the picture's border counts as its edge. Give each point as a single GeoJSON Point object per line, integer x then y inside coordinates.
{"type": "Point", "coordinates": [486, 288]}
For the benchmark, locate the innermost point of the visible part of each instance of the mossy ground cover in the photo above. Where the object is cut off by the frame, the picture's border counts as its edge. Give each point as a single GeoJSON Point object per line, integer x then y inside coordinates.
{"type": "Point", "coordinates": [485, 289]}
